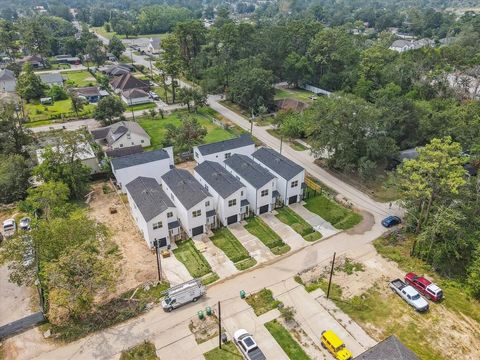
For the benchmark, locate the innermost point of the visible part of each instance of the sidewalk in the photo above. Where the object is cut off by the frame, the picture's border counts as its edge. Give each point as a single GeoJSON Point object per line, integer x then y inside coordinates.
{"type": "Point", "coordinates": [254, 246]}
{"type": "Point", "coordinates": [318, 223]}
{"type": "Point", "coordinates": [288, 235]}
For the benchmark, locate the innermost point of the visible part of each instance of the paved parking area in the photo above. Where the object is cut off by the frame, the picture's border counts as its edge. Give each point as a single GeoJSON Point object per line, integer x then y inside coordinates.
{"type": "Point", "coordinates": [318, 223]}
{"type": "Point", "coordinates": [174, 270]}
{"type": "Point", "coordinates": [255, 247]}
{"type": "Point", "coordinates": [288, 235]}
{"type": "Point", "coordinates": [217, 259]}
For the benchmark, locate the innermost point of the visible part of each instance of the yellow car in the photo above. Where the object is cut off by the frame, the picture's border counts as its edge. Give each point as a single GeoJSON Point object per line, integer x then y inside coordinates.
{"type": "Point", "coordinates": [332, 343]}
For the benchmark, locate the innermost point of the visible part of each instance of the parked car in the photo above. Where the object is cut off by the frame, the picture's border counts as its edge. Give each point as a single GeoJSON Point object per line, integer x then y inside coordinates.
{"type": "Point", "coordinates": [424, 287]}
{"type": "Point", "coordinates": [335, 345]}
{"type": "Point", "coordinates": [391, 220]}
{"type": "Point", "coordinates": [182, 294]}
{"type": "Point", "coordinates": [153, 95]}
{"type": "Point", "coordinates": [247, 345]}
{"type": "Point", "coordinates": [9, 227]}
{"type": "Point", "coordinates": [409, 294]}
{"type": "Point", "coordinates": [25, 223]}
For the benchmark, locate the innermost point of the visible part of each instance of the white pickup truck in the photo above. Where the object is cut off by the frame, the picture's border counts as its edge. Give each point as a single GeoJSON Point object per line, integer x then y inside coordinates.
{"type": "Point", "coordinates": [409, 294]}
{"type": "Point", "coordinates": [247, 345]}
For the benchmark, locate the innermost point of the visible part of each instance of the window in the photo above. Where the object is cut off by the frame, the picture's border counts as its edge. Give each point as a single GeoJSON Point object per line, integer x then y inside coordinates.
{"type": "Point", "coordinates": [196, 154]}
{"type": "Point", "coordinates": [169, 214]}
{"type": "Point", "coordinates": [232, 202]}
{"type": "Point", "coordinates": [196, 213]}
{"type": "Point", "coordinates": [264, 193]}
{"type": "Point", "coordinates": [294, 184]}
{"type": "Point", "coordinates": [241, 193]}
{"type": "Point", "coordinates": [121, 145]}
{"type": "Point", "coordinates": [158, 225]}
{"type": "Point", "coordinates": [207, 203]}
{"type": "Point", "coordinates": [133, 143]}
{"type": "Point", "coordinates": [227, 155]}
{"type": "Point", "coordinates": [142, 141]}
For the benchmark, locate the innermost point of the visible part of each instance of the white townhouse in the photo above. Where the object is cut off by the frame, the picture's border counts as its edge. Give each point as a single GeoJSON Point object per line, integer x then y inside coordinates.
{"type": "Point", "coordinates": [222, 150]}
{"type": "Point", "coordinates": [229, 194]}
{"type": "Point", "coordinates": [261, 184]}
{"type": "Point", "coordinates": [121, 134]}
{"type": "Point", "coordinates": [290, 176]}
{"type": "Point", "coordinates": [193, 202]}
{"type": "Point", "coordinates": [153, 211]}
{"type": "Point", "coordinates": [149, 164]}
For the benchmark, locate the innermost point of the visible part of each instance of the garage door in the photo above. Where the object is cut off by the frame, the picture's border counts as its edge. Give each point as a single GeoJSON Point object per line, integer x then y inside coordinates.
{"type": "Point", "coordinates": [263, 209]}
{"type": "Point", "coordinates": [232, 219]}
{"type": "Point", "coordinates": [162, 242]}
{"type": "Point", "coordinates": [197, 230]}
{"type": "Point", "coordinates": [292, 199]}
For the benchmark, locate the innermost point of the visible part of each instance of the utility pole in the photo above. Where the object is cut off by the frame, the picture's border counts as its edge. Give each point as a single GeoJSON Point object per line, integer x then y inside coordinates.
{"type": "Point", "coordinates": [133, 113]}
{"type": "Point", "coordinates": [156, 243]}
{"type": "Point", "coordinates": [219, 326]}
{"type": "Point", "coordinates": [151, 71]}
{"type": "Point", "coordinates": [281, 144]}
{"type": "Point", "coordinates": [331, 274]}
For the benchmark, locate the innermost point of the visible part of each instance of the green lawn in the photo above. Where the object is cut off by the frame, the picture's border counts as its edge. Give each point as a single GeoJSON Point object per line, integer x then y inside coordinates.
{"type": "Point", "coordinates": [229, 244]}
{"type": "Point", "coordinates": [37, 112]}
{"type": "Point", "coordinates": [337, 215]}
{"type": "Point", "coordinates": [295, 145]}
{"type": "Point", "coordinates": [156, 128]}
{"type": "Point", "coordinates": [297, 94]}
{"type": "Point", "coordinates": [145, 106]}
{"type": "Point", "coordinates": [291, 347]}
{"type": "Point", "coordinates": [196, 264]}
{"type": "Point", "coordinates": [262, 301]}
{"type": "Point", "coordinates": [228, 352]}
{"type": "Point", "coordinates": [80, 78]}
{"type": "Point", "coordinates": [101, 31]}
{"type": "Point", "coordinates": [265, 234]}
{"type": "Point", "coordinates": [292, 219]}
{"type": "Point", "coordinates": [145, 351]}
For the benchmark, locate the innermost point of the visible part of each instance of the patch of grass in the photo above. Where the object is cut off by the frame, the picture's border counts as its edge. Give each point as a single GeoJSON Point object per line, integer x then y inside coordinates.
{"type": "Point", "coordinates": [337, 215]}
{"type": "Point", "coordinates": [61, 109]}
{"type": "Point", "coordinates": [101, 31]}
{"type": "Point", "coordinates": [144, 351]}
{"type": "Point", "coordinates": [296, 94]}
{"type": "Point", "coordinates": [80, 78]}
{"type": "Point", "coordinates": [291, 347]}
{"type": "Point", "coordinates": [56, 66]}
{"type": "Point", "coordinates": [229, 244]}
{"type": "Point", "coordinates": [32, 124]}
{"type": "Point", "coordinates": [292, 219]}
{"type": "Point", "coordinates": [236, 108]}
{"type": "Point", "coordinates": [258, 228]}
{"type": "Point", "coordinates": [321, 283]}
{"type": "Point", "coordinates": [262, 301]}
{"type": "Point", "coordinates": [350, 266]}
{"type": "Point", "coordinates": [194, 261]}
{"type": "Point", "coordinates": [210, 278]}
{"type": "Point", "coordinates": [295, 145]}
{"type": "Point", "coordinates": [154, 293]}
{"type": "Point", "coordinates": [145, 106]}
{"type": "Point", "coordinates": [228, 352]}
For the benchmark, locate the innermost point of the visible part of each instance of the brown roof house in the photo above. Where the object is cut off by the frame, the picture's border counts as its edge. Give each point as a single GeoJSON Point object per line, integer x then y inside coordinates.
{"type": "Point", "coordinates": [35, 60]}
{"type": "Point", "coordinates": [127, 82]}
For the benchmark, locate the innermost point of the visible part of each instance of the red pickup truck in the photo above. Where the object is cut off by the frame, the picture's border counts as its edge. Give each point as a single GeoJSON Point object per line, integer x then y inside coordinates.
{"type": "Point", "coordinates": [424, 287]}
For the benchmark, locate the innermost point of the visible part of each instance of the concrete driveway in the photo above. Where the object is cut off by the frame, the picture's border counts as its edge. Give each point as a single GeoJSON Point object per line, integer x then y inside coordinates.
{"type": "Point", "coordinates": [174, 270]}
{"type": "Point", "coordinates": [217, 259]}
{"type": "Point", "coordinates": [15, 299]}
{"type": "Point", "coordinates": [254, 246]}
{"type": "Point", "coordinates": [288, 235]}
{"type": "Point", "coordinates": [318, 223]}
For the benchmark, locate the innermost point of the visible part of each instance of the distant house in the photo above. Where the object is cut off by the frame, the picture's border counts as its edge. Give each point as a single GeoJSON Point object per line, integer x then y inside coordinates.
{"type": "Point", "coordinates": [127, 82]}
{"type": "Point", "coordinates": [51, 79]}
{"type": "Point", "coordinates": [389, 349]}
{"type": "Point", "coordinates": [119, 152]}
{"type": "Point", "coordinates": [35, 60]}
{"type": "Point", "coordinates": [115, 70]}
{"type": "Point", "coordinates": [406, 45]}
{"type": "Point", "coordinates": [153, 46]}
{"type": "Point", "coordinates": [111, 57]}
{"type": "Point", "coordinates": [135, 97]}
{"type": "Point", "coordinates": [85, 154]}
{"type": "Point", "coordinates": [90, 93]}
{"type": "Point", "coordinates": [123, 134]}
{"type": "Point", "coordinates": [229, 194]}
{"type": "Point", "coordinates": [153, 211]}
{"type": "Point", "coordinates": [221, 150]}
{"type": "Point", "coordinates": [193, 202]}
{"type": "Point", "coordinates": [150, 164]}
{"type": "Point", "coordinates": [8, 81]}
{"type": "Point", "coordinates": [68, 59]}
{"type": "Point", "coordinates": [290, 176]}
{"type": "Point", "coordinates": [261, 184]}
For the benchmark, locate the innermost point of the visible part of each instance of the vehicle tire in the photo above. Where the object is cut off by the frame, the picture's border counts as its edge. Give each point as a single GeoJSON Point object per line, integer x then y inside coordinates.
{"type": "Point", "coordinates": [323, 346]}
{"type": "Point", "coordinates": [194, 299]}
{"type": "Point", "coordinates": [170, 309]}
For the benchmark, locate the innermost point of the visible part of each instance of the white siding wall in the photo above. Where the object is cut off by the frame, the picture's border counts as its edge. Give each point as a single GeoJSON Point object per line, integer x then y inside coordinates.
{"type": "Point", "coordinates": [155, 169]}
{"type": "Point", "coordinates": [141, 100]}
{"type": "Point", "coordinates": [220, 156]}
{"type": "Point", "coordinates": [8, 86]}
{"type": "Point", "coordinates": [130, 139]}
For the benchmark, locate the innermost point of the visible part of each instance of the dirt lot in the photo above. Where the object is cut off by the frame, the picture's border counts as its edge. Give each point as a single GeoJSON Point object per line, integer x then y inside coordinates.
{"type": "Point", "coordinates": [138, 264]}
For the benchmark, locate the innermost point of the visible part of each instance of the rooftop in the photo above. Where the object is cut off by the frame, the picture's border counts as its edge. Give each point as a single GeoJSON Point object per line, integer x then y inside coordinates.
{"type": "Point", "coordinates": [114, 153]}
{"type": "Point", "coordinates": [278, 163]}
{"type": "Point", "coordinates": [241, 141]}
{"type": "Point", "coordinates": [85, 152]}
{"type": "Point", "coordinates": [255, 174]}
{"type": "Point", "coordinates": [185, 187]}
{"type": "Point", "coordinates": [389, 349]}
{"type": "Point", "coordinates": [139, 159]}
{"type": "Point", "coordinates": [115, 131]}
{"type": "Point", "coordinates": [7, 75]}
{"type": "Point", "coordinates": [134, 94]}
{"type": "Point", "coordinates": [128, 81]}
{"type": "Point", "coordinates": [88, 91]}
{"type": "Point", "coordinates": [218, 178]}
{"type": "Point", "coordinates": [149, 197]}
{"type": "Point", "coordinates": [51, 78]}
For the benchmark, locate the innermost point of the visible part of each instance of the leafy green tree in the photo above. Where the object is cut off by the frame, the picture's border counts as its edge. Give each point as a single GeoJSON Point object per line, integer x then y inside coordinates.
{"type": "Point", "coordinates": [57, 93]}
{"type": "Point", "coordinates": [474, 274]}
{"type": "Point", "coordinates": [77, 103]}
{"type": "Point", "coordinates": [108, 109]}
{"type": "Point", "coordinates": [184, 137]}
{"type": "Point", "coordinates": [13, 135]}
{"type": "Point", "coordinates": [14, 174]}
{"type": "Point", "coordinates": [35, 35]}
{"type": "Point", "coordinates": [94, 48]}
{"type": "Point", "coordinates": [297, 69]}
{"type": "Point", "coordinates": [171, 62]}
{"type": "Point", "coordinates": [116, 47]}
{"type": "Point", "coordinates": [29, 85]}
{"type": "Point", "coordinates": [191, 36]}
{"type": "Point", "coordinates": [8, 38]}
{"type": "Point", "coordinates": [46, 198]}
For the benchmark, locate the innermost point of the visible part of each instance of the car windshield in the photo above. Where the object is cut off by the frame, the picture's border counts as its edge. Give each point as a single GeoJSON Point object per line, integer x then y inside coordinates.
{"type": "Point", "coordinates": [168, 300]}
{"type": "Point", "coordinates": [7, 227]}
{"type": "Point", "coordinates": [415, 297]}
{"type": "Point", "coordinates": [248, 341]}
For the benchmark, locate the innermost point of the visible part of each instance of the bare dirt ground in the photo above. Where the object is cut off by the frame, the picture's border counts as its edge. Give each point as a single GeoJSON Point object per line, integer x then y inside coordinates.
{"type": "Point", "coordinates": [308, 345]}
{"type": "Point", "coordinates": [187, 165]}
{"type": "Point", "coordinates": [138, 264]}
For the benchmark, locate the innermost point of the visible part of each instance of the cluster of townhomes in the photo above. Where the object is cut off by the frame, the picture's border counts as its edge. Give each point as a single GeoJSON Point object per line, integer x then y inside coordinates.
{"type": "Point", "coordinates": [231, 180]}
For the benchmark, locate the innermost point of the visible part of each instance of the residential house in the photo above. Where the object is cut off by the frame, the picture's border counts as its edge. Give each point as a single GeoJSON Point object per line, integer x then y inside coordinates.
{"type": "Point", "coordinates": [229, 194]}
{"type": "Point", "coordinates": [92, 94]}
{"type": "Point", "coordinates": [153, 211]}
{"type": "Point", "coordinates": [153, 46]}
{"type": "Point", "coordinates": [127, 82]}
{"type": "Point", "coordinates": [389, 349]}
{"type": "Point", "coordinates": [85, 154]}
{"type": "Point", "coordinates": [35, 60]}
{"type": "Point", "coordinates": [290, 176]}
{"type": "Point", "coordinates": [261, 184]}
{"type": "Point", "coordinates": [115, 70]}
{"type": "Point", "coordinates": [119, 152]}
{"type": "Point", "coordinates": [193, 202]}
{"type": "Point", "coordinates": [68, 59]}
{"type": "Point", "coordinates": [111, 57]}
{"type": "Point", "coordinates": [135, 97]}
{"type": "Point", "coordinates": [122, 134]}
{"type": "Point", "coordinates": [149, 164]}
{"type": "Point", "coordinates": [8, 81]}
{"type": "Point", "coordinates": [221, 150]}
{"type": "Point", "coordinates": [402, 45]}
{"type": "Point", "coordinates": [51, 79]}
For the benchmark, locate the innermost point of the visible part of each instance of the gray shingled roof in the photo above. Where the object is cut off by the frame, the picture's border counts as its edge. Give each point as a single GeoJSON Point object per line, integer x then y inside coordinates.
{"type": "Point", "coordinates": [114, 153]}
{"type": "Point", "coordinates": [389, 349]}
{"type": "Point", "coordinates": [138, 159]}
{"type": "Point", "coordinates": [255, 174]}
{"type": "Point", "coordinates": [51, 78]}
{"type": "Point", "coordinates": [218, 178]}
{"type": "Point", "coordinates": [149, 197]}
{"type": "Point", "coordinates": [7, 75]}
{"type": "Point", "coordinates": [185, 187]}
{"type": "Point", "coordinates": [278, 163]}
{"type": "Point", "coordinates": [242, 140]}
{"type": "Point", "coordinates": [115, 131]}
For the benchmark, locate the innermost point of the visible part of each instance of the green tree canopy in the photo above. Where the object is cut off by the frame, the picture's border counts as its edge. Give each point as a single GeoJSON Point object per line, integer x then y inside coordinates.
{"type": "Point", "coordinates": [29, 85]}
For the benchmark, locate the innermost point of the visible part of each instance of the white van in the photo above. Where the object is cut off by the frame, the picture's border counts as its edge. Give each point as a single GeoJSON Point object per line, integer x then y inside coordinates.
{"type": "Point", "coordinates": [9, 227]}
